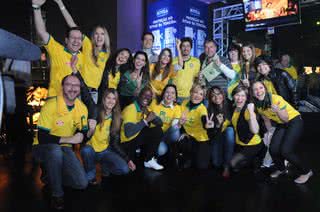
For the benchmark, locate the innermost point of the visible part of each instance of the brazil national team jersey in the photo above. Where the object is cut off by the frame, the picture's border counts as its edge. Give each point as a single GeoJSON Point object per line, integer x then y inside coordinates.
{"type": "Point", "coordinates": [193, 125]}
{"type": "Point", "coordinates": [235, 117]}
{"type": "Point", "coordinates": [114, 80]}
{"type": "Point", "coordinates": [100, 139]}
{"type": "Point", "coordinates": [283, 105]}
{"type": "Point", "coordinates": [159, 83]}
{"type": "Point", "coordinates": [59, 120]}
{"type": "Point", "coordinates": [92, 71]}
{"type": "Point", "coordinates": [60, 60]}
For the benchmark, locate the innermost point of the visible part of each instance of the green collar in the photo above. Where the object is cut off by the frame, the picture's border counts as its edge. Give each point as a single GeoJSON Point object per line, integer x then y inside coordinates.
{"type": "Point", "coordinates": [73, 53]}
{"type": "Point", "coordinates": [193, 107]}
{"type": "Point", "coordinates": [137, 106]}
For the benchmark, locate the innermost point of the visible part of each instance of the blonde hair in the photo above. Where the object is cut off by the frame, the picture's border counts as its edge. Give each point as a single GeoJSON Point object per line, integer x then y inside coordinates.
{"type": "Point", "coordinates": [196, 87]}
{"type": "Point", "coordinates": [105, 47]}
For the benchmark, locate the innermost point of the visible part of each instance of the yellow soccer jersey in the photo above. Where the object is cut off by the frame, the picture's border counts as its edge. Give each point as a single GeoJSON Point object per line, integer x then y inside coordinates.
{"type": "Point", "coordinates": [292, 71]}
{"type": "Point", "coordinates": [166, 113]}
{"type": "Point", "coordinates": [56, 118]}
{"type": "Point", "coordinates": [92, 72]}
{"type": "Point", "coordinates": [60, 59]}
{"type": "Point", "coordinates": [131, 114]}
{"type": "Point", "coordinates": [184, 78]}
{"type": "Point", "coordinates": [283, 105]}
{"type": "Point", "coordinates": [158, 83]}
{"type": "Point", "coordinates": [236, 67]}
{"type": "Point", "coordinates": [114, 81]}
{"type": "Point", "coordinates": [193, 125]}
{"type": "Point", "coordinates": [235, 117]}
{"type": "Point", "coordinates": [100, 139]}
{"type": "Point", "coordinates": [270, 86]}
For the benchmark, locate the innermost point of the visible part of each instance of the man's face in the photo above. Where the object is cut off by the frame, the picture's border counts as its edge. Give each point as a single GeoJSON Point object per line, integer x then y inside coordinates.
{"type": "Point", "coordinates": [71, 88]}
{"type": "Point", "coordinates": [74, 41]}
{"type": "Point", "coordinates": [210, 49]}
{"type": "Point", "coordinates": [147, 42]}
{"type": "Point", "coordinates": [285, 61]}
{"type": "Point", "coordinates": [185, 48]}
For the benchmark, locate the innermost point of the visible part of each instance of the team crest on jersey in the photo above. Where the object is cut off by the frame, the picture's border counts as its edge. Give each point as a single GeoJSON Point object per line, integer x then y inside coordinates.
{"type": "Point", "coordinates": [60, 123]}
{"type": "Point", "coordinates": [191, 65]}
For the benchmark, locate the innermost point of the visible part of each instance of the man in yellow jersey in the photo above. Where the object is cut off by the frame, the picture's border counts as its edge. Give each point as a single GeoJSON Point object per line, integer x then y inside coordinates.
{"type": "Point", "coordinates": [187, 68]}
{"type": "Point", "coordinates": [285, 64]}
{"type": "Point", "coordinates": [60, 119]}
{"type": "Point", "coordinates": [64, 59]}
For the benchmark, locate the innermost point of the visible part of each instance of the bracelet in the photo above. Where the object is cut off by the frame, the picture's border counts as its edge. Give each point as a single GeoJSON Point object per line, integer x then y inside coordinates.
{"type": "Point", "coordinates": [36, 7]}
{"type": "Point", "coordinates": [62, 8]}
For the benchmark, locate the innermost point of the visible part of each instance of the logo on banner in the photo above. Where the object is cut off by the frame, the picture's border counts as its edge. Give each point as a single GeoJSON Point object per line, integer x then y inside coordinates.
{"type": "Point", "coordinates": [162, 12]}
{"type": "Point", "coordinates": [194, 12]}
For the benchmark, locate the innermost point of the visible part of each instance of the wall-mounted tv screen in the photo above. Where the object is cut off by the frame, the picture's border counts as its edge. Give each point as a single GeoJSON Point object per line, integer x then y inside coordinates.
{"type": "Point", "coordinates": [260, 14]}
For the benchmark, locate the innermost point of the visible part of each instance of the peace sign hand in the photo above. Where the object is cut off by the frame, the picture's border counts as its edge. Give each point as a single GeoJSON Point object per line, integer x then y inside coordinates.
{"type": "Point", "coordinates": [183, 118]}
{"type": "Point", "coordinates": [209, 122]}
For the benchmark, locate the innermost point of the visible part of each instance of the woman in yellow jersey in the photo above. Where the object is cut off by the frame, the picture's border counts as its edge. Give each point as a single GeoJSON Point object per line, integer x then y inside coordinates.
{"type": "Point", "coordinates": [141, 127]}
{"type": "Point", "coordinates": [170, 114]}
{"type": "Point", "coordinates": [289, 128]}
{"type": "Point", "coordinates": [118, 62]}
{"type": "Point", "coordinates": [134, 79]}
{"type": "Point", "coordinates": [162, 72]}
{"type": "Point", "coordinates": [250, 147]}
{"type": "Point", "coordinates": [223, 141]}
{"type": "Point", "coordinates": [103, 146]}
{"type": "Point", "coordinates": [248, 72]}
{"type": "Point", "coordinates": [195, 121]}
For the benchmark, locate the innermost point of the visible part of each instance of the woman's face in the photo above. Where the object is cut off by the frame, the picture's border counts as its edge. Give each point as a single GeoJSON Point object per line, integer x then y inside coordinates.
{"type": "Point", "coordinates": [197, 96]}
{"type": "Point", "coordinates": [263, 68]}
{"type": "Point", "coordinates": [247, 53]}
{"type": "Point", "coordinates": [217, 97]}
{"type": "Point", "coordinates": [259, 91]}
{"type": "Point", "coordinates": [240, 99]}
{"type": "Point", "coordinates": [139, 61]}
{"type": "Point", "coordinates": [110, 101]}
{"type": "Point", "coordinates": [234, 55]}
{"type": "Point", "coordinates": [145, 98]}
{"type": "Point", "coordinates": [98, 37]}
{"type": "Point", "coordinates": [169, 95]}
{"type": "Point", "coordinates": [165, 58]}
{"type": "Point", "coordinates": [122, 57]}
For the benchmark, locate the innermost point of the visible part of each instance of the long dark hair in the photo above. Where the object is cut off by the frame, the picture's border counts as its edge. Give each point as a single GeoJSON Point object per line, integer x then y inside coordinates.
{"type": "Point", "coordinates": [214, 108]}
{"type": "Point", "coordinates": [266, 102]}
{"type": "Point", "coordinates": [111, 65]}
{"type": "Point", "coordinates": [157, 67]}
{"type": "Point", "coordinates": [164, 90]}
{"type": "Point", "coordinates": [116, 112]}
{"type": "Point", "coordinates": [145, 69]}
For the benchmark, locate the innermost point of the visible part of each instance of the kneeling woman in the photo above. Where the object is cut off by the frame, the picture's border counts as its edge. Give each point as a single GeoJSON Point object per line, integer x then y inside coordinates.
{"type": "Point", "coordinates": [288, 131]}
{"type": "Point", "coordinates": [195, 123]}
{"type": "Point", "coordinates": [141, 127]}
{"type": "Point", "coordinates": [104, 144]}
{"type": "Point", "coordinates": [169, 112]}
{"type": "Point", "coordinates": [249, 144]}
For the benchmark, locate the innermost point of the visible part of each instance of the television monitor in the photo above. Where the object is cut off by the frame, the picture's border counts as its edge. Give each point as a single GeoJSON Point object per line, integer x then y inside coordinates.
{"type": "Point", "coordinates": [261, 14]}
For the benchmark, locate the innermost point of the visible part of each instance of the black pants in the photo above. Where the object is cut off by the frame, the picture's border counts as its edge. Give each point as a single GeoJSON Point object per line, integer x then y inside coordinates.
{"type": "Point", "coordinates": [283, 143]}
{"type": "Point", "coordinates": [198, 152]}
{"type": "Point", "coordinates": [252, 155]}
{"type": "Point", "coordinates": [148, 138]}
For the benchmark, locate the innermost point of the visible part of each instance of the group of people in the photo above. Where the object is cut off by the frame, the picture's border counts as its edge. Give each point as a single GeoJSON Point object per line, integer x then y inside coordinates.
{"type": "Point", "coordinates": [207, 109]}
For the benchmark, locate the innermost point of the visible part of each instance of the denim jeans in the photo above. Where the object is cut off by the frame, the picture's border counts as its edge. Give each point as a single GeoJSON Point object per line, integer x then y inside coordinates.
{"type": "Point", "coordinates": [170, 136]}
{"type": "Point", "coordinates": [110, 162]}
{"type": "Point", "coordinates": [61, 166]}
{"type": "Point", "coordinates": [223, 148]}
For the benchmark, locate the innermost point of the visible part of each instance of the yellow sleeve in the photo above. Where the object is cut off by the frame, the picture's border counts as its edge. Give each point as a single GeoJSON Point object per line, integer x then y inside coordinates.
{"type": "Point", "coordinates": [128, 115]}
{"type": "Point", "coordinates": [53, 47]}
{"type": "Point", "coordinates": [86, 45]}
{"type": "Point", "coordinates": [46, 119]}
{"type": "Point", "coordinates": [278, 100]}
{"type": "Point", "coordinates": [196, 68]}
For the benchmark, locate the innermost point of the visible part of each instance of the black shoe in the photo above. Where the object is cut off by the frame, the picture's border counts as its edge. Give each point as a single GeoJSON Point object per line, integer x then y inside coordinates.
{"type": "Point", "coordinates": [57, 203]}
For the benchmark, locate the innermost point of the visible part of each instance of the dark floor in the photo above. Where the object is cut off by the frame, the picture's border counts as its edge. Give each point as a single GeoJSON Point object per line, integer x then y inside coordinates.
{"type": "Point", "coordinates": [171, 190]}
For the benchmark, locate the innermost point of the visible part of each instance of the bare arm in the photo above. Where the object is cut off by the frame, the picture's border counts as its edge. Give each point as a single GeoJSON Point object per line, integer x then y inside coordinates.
{"type": "Point", "coordinates": [38, 21]}
{"type": "Point", "coordinates": [180, 59]}
{"type": "Point", "coordinates": [253, 123]}
{"type": "Point", "coordinates": [67, 17]}
{"type": "Point", "coordinates": [267, 122]}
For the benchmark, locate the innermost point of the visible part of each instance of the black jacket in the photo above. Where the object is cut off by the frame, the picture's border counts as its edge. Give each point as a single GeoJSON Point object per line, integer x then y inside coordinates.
{"type": "Point", "coordinates": [283, 83]}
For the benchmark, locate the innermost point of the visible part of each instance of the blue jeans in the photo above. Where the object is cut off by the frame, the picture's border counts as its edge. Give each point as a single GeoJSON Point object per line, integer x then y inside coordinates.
{"type": "Point", "coordinates": [61, 166]}
{"type": "Point", "coordinates": [223, 147]}
{"type": "Point", "coordinates": [170, 136]}
{"type": "Point", "coordinates": [110, 162]}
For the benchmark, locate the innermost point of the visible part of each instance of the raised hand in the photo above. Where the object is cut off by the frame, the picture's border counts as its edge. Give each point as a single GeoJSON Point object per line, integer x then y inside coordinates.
{"type": "Point", "coordinates": [275, 107]}
{"type": "Point", "coordinates": [220, 118]}
{"type": "Point", "coordinates": [183, 118]}
{"type": "Point", "coordinates": [209, 122]}
{"type": "Point", "coordinates": [246, 82]}
{"type": "Point", "coordinates": [38, 2]}
{"type": "Point", "coordinates": [151, 116]}
{"type": "Point", "coordinates": [250, 107]}
{"type": "Point", "coordinates": [217, 60]}
{"type": "Point", "coordinates": [178, 43]}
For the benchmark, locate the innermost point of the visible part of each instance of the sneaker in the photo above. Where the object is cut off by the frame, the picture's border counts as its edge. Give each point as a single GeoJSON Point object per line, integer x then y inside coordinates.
{"type": "Point", "coordinates": [277, 173]}
{"type": "Point", "coordinates": [153, 164]}
{"type": "Point", "coordinates": [303, 178]}
{"type": "Point", "coordinates": [57, 203]}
